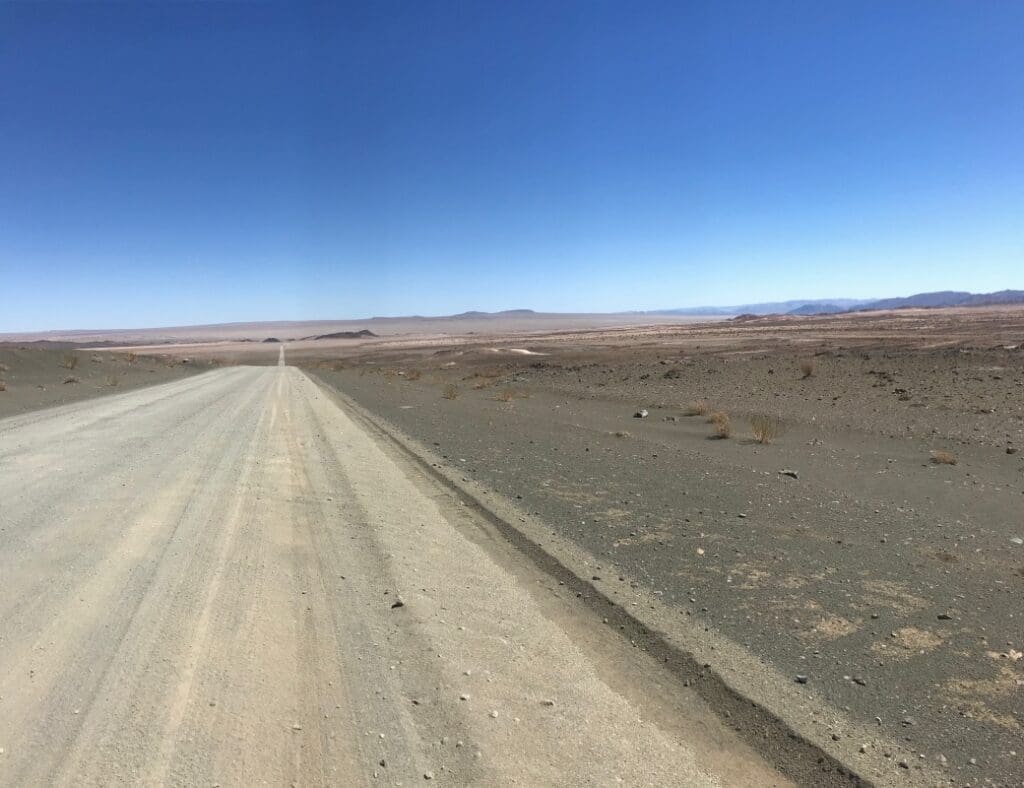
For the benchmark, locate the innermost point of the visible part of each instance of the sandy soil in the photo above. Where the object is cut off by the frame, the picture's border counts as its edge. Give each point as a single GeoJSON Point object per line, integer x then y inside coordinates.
{"type": "Point", "coordinates": [887, 581]}
{"type": "Point", "coordinates": [225, 580]}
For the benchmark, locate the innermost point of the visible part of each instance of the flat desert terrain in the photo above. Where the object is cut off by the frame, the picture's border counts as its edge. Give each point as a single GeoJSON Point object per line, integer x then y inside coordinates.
{"type": "Point", "coordinates": [749, 552]}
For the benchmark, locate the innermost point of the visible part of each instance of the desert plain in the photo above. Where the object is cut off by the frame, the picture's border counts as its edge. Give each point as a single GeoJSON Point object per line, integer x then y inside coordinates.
{"type": "Point", "coordinates": [799, 539]}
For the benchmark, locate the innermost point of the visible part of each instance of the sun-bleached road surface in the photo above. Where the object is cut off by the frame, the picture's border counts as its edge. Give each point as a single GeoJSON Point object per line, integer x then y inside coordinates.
{"type": "Point", "coordinates": [199, 588]}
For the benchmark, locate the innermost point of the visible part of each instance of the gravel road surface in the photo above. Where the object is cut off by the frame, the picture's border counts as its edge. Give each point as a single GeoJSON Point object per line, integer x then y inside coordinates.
{"type": "Point", "coordinates": [225, 581]}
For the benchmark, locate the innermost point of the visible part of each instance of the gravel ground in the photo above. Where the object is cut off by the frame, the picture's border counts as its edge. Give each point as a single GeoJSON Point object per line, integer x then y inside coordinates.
{"type": "Point", "coordinates": [886, 581]}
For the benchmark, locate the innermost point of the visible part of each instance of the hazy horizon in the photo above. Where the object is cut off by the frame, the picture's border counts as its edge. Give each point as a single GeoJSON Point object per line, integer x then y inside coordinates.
{"type": "Point", "coordinates": [192, 164]}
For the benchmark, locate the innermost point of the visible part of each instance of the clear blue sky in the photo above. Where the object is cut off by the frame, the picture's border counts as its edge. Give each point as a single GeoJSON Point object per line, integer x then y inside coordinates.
{"type": "Point", "coordinates": [186, 163]}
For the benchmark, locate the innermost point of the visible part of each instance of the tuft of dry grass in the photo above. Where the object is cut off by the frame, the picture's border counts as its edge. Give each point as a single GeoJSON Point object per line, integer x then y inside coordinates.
{"type": "Point", "coordinates": [451, 391]}
{"type": "Point", "coordinates": [765, 428]}
{"type": "Point", "coordinates": [940, 457]}
{"type": "Point", "coordinates": [113, 379]}
{"type": "Point", "coordinates": [71, 379]}
{"type": "Point", "coordinates": [697, 408]}
{"type": "Point", "coordinates": [509, 394]}
{"type": "Point", "coordinates": [132, 358]}
{"type": "Point", "coordinates": [720, 420]}
{"type": "Point", "coordinates": [808, 367]}
{"type": "Point", "coordinates": [69, 361]}
{"type": "Point", "coordinates": [622, 434]}
{"type": "Point", "coordinates": [413, 374]}
{"type": "Point", "coordinates": [3, 386]}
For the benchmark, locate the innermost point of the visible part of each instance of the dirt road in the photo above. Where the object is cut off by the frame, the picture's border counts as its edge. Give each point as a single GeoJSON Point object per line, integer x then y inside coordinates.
{"type": "Point", "coordinates": [225, 581]}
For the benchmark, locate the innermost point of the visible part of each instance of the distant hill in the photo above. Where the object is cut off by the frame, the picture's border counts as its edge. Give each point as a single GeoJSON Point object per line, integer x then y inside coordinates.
{"type": "Point", "coordinates": [947, 298]}
{"type": "Point", "coordinates": [817, 309]}
{"type": "Point", "coordinates": [830, 306]}
{"type": "Point", "coordinates": [772, 307]}
{"type": "Point", "coordinates": [364, 334]}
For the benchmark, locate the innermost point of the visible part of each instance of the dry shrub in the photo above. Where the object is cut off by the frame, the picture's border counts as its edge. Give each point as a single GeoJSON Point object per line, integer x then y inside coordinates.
{"type": "Point", "coordinates": [507, 395]}
{"type": "Point", "coordinates": [765, 428]}
{"type": "Point", "coordinates": [808, 367]}
{"type": "Point", "coordinates": [720, 420]}
{"type": "Point", "coordinates": [940, 457]}
{"type": "Point", "coordinates": [697, 408]}
{"type": "Point", "coordinates": [451, 391]}
{"type": "Point", "coordinates": [622, 434]}
{"type": "Point", "coordinates": [413, 374]}
{"type": "Point", "coordinates": [113, 379]}
{"type": "Point", "coordinates": [69, 361]}
{"type": "Point", "coordinates": [3, 386]}
{"type": "Point", "coordinates": [132, 358]}
{"type": "Point", "coordinates": [70, 379]}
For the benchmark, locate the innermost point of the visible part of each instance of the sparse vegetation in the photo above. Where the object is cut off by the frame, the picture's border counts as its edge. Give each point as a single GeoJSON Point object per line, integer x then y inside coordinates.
{"type": "Point", "coordinates": [697, 408]}
{"type": "Point", "coordinates": [723, 426]}
{"type": "Point", "coordinates": [69, 361]}
{"type": "Point", "coordinates": [70, 379]}
{"type": "Point", "coordinates": [940, 457]}
{"type": "Point", "coordinates": [132, 358]}
{"type": "Point", "coordinates": [808, 367]}
{"type": "Point", "coordinates": [413, 374]}
{"type": "Point", "coordinates": [509, 394]}
{"type": "Point", "coordinates": [451, 391]}
{"type": "Point", "coordinates": [113, 379]}
{"type": "Point", "coordinates": [765, 428]}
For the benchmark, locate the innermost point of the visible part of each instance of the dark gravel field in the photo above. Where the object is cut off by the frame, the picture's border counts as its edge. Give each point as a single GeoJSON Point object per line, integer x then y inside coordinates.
{"type": "Point", "coordinates": [848, 552]}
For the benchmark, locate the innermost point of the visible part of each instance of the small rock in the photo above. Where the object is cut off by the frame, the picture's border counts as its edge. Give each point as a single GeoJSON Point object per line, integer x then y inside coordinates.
{"type": "Point", "coordinates": [399, 602]}
{"type": "Point", "coordinates": [861, 681]}
{"type": "Point", "coordinates": [801, 679]}
{"type": "Point", "coordinates": [945, 617]}
{"type": "Point", "coordinates": [641, 414]}
{"type": "Point", "coordinates": [494, 715]}
{"type": "Point", "coordinates": [902, 763]}
{"type": "Point", "coordinates": [787, 472]}
{"type": "Point", "coordinates": [1011, 449]}
{"type": "Point", "coordinates": [428, 775]}
{"type": "Point", "coordinates": [1017, 540]}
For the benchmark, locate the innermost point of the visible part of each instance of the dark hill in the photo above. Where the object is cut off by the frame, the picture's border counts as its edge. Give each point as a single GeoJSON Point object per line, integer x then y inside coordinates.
{"type": "Point", "coordinates": [347, 335]}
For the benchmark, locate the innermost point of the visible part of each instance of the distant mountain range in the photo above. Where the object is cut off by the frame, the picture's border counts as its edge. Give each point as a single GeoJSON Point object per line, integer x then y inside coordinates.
{"type": "Point", "coordinates": [831, 306]}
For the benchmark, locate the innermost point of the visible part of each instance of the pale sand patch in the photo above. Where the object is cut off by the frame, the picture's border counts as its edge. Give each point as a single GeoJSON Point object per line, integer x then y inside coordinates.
{"type": "Point", "coordinates": [834, 627]}
{"type": "Point", "coordinates": [905, 642]}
